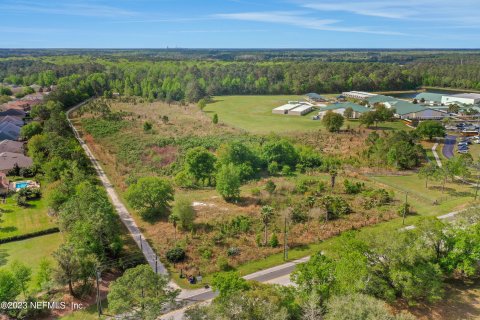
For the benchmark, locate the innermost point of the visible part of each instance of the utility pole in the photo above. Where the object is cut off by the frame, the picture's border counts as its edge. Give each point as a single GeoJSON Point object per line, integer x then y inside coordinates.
{"type": "Point", "coordinates": [141, 243]}
{"type": "Point", "coordinates": [405, 208]}
{"type": "Point", "coordinates": [99, 302]}
{"type": "Point", "coordinates": [476, 187]}
{"type": "Point", "coordinates": [156, 264]}
{"type": "Point", "coordinates": [285, 240]}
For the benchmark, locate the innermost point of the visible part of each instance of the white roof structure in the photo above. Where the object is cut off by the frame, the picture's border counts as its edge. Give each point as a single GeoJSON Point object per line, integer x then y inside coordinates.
{"type": "Point", "coordinates": [467, 95]}
{"type": "Point", "coordinates": [288, 106]}
{"type": "Point", "coordinates": [301, 108]}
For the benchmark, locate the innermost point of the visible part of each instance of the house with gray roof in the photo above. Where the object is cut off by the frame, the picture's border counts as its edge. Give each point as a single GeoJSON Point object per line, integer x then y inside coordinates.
{"type": "Point", "coordinates": [11, 146]}
{"type": "Point", "coordinates": [12, 131]}
{"type": "Point", "coordinates": [15, 120]}
{"type": "Point", "coordinates": [8, 160]}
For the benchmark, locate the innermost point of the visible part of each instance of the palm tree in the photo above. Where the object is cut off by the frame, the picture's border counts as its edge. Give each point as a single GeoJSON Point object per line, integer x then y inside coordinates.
{"type": "Point", "coordinates": [267, 216]}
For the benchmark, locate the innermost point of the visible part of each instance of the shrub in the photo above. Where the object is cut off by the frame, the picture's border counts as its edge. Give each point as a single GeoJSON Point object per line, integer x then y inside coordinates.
{"type": "Point", "coordinates": [175, 255]}
{"type": "Point", "coordinates": [270, 186]}
{"type": "Point", "coordinates": [353, 187]}
{"type": "Point", "coordinates": [335, 206]}
{"type": "Point", "coordinates": [304, 185]}
{"type": "Point", "coordinates": [205, 253]}
{"type": "Point", "coordinates": [273, 241]}
{"type": "Point", "coordinates": [147, 126]}
{"type": "Point", "coordinates": [286, 170]}
{"type": "Point", "coordinates": [273, 168]}
{"type": "Point", "coordinates": [255, 192]}
{"type": "Point", "coordinates": [233, 251]}
{"type": "Point", "coordinates": [21, 200]}
{"type": "Point", "coordinates": [404, 209]}
{"type": "Point", "coordinates": [376, 198]}
{"type": "Point", "coordinates": [299, 214]}
{"type": "Point", "coordinates": [222, 264]}
{"type": "Point", "coordinates": [184, 211]}
{"type": "Point", "coordinates": [27, 172]}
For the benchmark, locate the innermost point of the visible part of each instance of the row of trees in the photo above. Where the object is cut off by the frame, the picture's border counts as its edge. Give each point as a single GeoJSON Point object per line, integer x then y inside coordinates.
{"type": "Point", "coordinates": [193, 80]}
{"type": "Point", "coordinates": [85, 215]}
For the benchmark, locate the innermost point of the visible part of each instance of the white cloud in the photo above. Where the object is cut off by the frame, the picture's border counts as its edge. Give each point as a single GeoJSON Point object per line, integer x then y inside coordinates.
{"type": "Point", "coordinates": [75, 9]}
{"type": "Point", "coordinates": [465, 11]}
{"type": "Point", "coordinates": [300, 19]}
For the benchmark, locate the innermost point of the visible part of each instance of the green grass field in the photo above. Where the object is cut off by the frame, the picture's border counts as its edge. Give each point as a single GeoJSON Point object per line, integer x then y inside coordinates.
{"type": "Point", "coordinates": [456, 194]}
{"type": "Point", "coordinates": [16, 220]}
{"type": "Point", "coordinates": [254, 114]}
{"type": "Point", "coordinates": [30, 251]}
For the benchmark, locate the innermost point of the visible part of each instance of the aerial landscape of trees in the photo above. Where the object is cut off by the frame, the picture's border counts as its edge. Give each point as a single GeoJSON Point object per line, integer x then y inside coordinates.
{"type": "Point", "coordinates": [212, 197]}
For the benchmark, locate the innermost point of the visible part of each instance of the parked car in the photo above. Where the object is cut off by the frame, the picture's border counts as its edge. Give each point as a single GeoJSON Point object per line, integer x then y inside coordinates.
{"type": "Point", "coordinates": [465, 151]}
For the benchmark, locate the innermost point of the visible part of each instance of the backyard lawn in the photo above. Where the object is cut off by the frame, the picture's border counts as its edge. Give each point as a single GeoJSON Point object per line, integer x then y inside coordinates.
{"type": "Point", "coordinates": [16, 220]}
{"type": "Point", "coordinates": [30, 251]}
{"type": "Point", "coordinates": [254, 114]}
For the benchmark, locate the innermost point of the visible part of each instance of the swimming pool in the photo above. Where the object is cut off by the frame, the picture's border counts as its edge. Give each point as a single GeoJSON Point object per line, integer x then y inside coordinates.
{"type": "Point", "coordinates": [21, 185]}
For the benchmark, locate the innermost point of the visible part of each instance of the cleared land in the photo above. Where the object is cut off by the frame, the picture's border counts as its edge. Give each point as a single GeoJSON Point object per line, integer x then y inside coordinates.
{"type": "Point", "coordinates": [126, 151]}
{"type": "Point", "coordinates": [254, 114]}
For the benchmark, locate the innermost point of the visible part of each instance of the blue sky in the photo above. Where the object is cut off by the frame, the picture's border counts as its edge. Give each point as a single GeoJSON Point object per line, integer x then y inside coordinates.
{"type": "Point", "coordinates": [240, 24]}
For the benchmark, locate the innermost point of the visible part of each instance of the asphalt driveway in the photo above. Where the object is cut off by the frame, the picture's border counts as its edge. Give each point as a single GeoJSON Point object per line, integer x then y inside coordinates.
{"type": "Point", "coordinates": [448, 146]}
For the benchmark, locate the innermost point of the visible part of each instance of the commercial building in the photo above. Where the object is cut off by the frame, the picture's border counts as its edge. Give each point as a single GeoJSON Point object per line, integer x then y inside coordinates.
{"type": "Point", "coordinates": [341, 107]}
{"type": "Point", "coordinates": [379, 98]}
{"type": "Point", "coordinates": [463, 98]}
{"type": "Point", "coordinates": [301, 110]}
{"type": "Point", "coordinates": [360, 95]}
{"type": "Point", "coordinates": [429, 98]}
{"type": "Point", "coordinates": [294, 108]}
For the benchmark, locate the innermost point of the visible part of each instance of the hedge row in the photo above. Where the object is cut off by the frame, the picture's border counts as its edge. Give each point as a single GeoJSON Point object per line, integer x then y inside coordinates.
{"type": "Point", "coordinates": [30, 235]}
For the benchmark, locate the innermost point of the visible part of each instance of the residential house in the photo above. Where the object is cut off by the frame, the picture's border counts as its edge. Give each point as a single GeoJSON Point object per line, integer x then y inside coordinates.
{"type": "Point", "coordinates": [13, 112]}
{"type": "Point", "coordinates": [10, 129]}
{"type": "Point", "coordinates": [8, 160]}
{"type": "Point", "coordinates": [12, 146]}
{"type": "Point", "coordinates": [14, 120]}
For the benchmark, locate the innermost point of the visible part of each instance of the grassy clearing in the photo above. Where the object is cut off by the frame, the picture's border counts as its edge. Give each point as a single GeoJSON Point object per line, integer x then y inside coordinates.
{"type": "Point", "coordinates": [18, 221]}
{"type": "Point", "coordinates": [456, 196]}
{"type": "Point", "coordinates": [254, 114]}
{"type": "Point", "coordinates": [30, 251]}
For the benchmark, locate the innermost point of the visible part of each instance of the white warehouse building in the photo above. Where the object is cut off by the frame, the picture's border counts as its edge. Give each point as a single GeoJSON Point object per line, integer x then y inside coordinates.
{"type": "Point", "coordinates": [463, 98]}
{"type": "Point", "coordinates": [294, 108]}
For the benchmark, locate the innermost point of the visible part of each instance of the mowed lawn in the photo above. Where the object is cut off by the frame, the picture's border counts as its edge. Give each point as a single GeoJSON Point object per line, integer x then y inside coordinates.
{"type": "Point", "coordinates": [16, 220]}
{"type": "Point", "coordinates": [30, 251]}
{"type": "Point", "coordinates": [456, 195]}
{"type": "Point", "coordinates": [254, 114]}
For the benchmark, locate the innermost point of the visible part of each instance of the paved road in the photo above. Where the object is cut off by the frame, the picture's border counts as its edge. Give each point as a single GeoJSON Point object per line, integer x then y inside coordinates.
{"type": "Point", "coordinates": [448, 146]}
{"type": "Point", "coordinates": [435, 154]}
{"type": "Point", "coordinates": [275, 275]}
{"type": "Point", "coordinates": [126, 218]}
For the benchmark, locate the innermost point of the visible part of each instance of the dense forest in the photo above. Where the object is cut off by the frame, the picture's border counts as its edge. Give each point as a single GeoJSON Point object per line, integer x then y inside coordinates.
{"type": "Point", "coordinates": [189, 75]}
